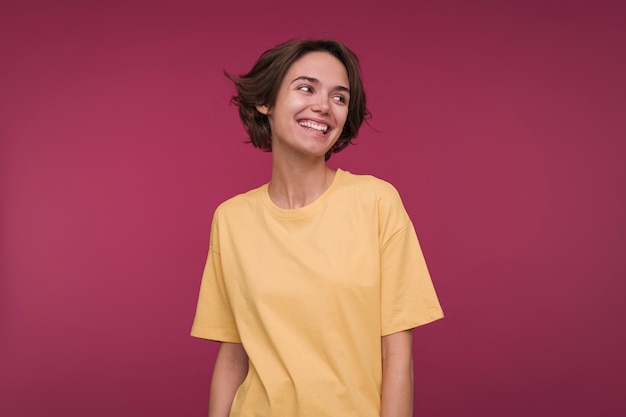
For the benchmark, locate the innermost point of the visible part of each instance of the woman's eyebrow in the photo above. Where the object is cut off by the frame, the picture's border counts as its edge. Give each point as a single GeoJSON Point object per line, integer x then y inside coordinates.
{"type": "Point", "coordinates": [307, 79]}
{"type": "Point", "coordinates": [313, 80]}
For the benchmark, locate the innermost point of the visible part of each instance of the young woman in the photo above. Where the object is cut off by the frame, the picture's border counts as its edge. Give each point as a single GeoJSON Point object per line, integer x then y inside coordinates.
{"type": "Point", "coordinates": [314, 280]}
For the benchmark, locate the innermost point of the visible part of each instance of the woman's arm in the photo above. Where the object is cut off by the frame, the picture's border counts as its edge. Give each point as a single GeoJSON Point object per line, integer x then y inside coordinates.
{"type": "Point", "coordinates": [397, 356]}
{"type": "Point", "coordinates": [231, 368]}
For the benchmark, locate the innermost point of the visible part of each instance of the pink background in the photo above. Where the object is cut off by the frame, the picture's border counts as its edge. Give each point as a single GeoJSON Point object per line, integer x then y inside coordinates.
{"type": "Point", "coordinates": [502, 124]}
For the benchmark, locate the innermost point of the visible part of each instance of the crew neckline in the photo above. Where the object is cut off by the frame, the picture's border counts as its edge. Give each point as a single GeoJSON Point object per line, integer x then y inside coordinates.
{"type": "Point", "coordinates": [305, 210]}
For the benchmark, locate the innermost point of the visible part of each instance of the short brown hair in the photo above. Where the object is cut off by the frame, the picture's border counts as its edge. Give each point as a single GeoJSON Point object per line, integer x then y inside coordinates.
{"type": "Point", "coordinates": [260, 87]}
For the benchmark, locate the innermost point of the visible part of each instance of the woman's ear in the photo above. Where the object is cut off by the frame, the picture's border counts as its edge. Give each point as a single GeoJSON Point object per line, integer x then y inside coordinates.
{"type": "Point", "coordinates": [263, 109]}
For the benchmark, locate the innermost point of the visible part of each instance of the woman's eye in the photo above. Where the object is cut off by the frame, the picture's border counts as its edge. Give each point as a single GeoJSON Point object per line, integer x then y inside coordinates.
{"type": "Point", "coordinates": [340, 99]}
{"type": "Point", "coordinates": [305, 88]}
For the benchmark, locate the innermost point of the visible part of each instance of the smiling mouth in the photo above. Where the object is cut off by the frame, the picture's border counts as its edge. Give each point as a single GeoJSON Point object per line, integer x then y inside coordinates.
{"type": "Point", "coordinates": [320, 127]}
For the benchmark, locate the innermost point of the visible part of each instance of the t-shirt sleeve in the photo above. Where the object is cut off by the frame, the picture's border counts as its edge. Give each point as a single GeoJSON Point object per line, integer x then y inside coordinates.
{"type": "Point", "coordinates": [408, 297]}
{"type": "Point", "coordinates": [214, 318]}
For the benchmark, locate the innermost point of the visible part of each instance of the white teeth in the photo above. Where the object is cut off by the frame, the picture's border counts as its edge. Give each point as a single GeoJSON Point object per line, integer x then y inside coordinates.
{"type": "Point", "coordinates": [312, 125]}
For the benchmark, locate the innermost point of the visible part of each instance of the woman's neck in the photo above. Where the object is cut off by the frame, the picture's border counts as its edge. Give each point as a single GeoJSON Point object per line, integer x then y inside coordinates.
{"type": "Point", "coordinates": [295, 185]}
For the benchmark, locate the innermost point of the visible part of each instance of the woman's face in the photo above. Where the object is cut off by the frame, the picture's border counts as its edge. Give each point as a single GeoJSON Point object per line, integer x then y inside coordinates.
{"type": "Point", "coordinates": [311, 106]}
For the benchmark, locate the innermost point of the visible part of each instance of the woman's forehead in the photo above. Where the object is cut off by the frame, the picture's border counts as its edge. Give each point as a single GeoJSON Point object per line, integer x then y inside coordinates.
{"type": "Point", "coordinates": [322, 66]}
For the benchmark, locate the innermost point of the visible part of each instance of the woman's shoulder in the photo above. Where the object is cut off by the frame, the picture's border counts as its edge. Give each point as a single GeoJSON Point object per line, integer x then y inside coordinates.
{"type": "Point", "coordinates": [374, 195]}
{"type": "Point", "coordinates": [370, 184]}
{"type": "Point", "coordinates": [242, 202]}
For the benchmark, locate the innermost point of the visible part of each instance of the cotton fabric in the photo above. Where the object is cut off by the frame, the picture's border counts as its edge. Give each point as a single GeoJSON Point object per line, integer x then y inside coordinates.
{"type": "Point", "coordinates": [310, 292]}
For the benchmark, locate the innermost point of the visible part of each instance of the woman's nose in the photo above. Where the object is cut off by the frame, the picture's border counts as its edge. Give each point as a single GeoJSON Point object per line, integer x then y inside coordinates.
{"type": "Point", "coordinates": [320, 105]}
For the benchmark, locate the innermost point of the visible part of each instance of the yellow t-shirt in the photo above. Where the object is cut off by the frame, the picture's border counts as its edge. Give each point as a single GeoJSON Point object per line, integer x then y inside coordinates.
{"type": "Point", "coordinates": [309, 292]}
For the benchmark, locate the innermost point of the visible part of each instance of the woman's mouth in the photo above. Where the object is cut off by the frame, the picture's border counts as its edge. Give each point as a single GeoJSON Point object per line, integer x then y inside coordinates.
{"type": "Point", "coordinates": [320, 127]}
